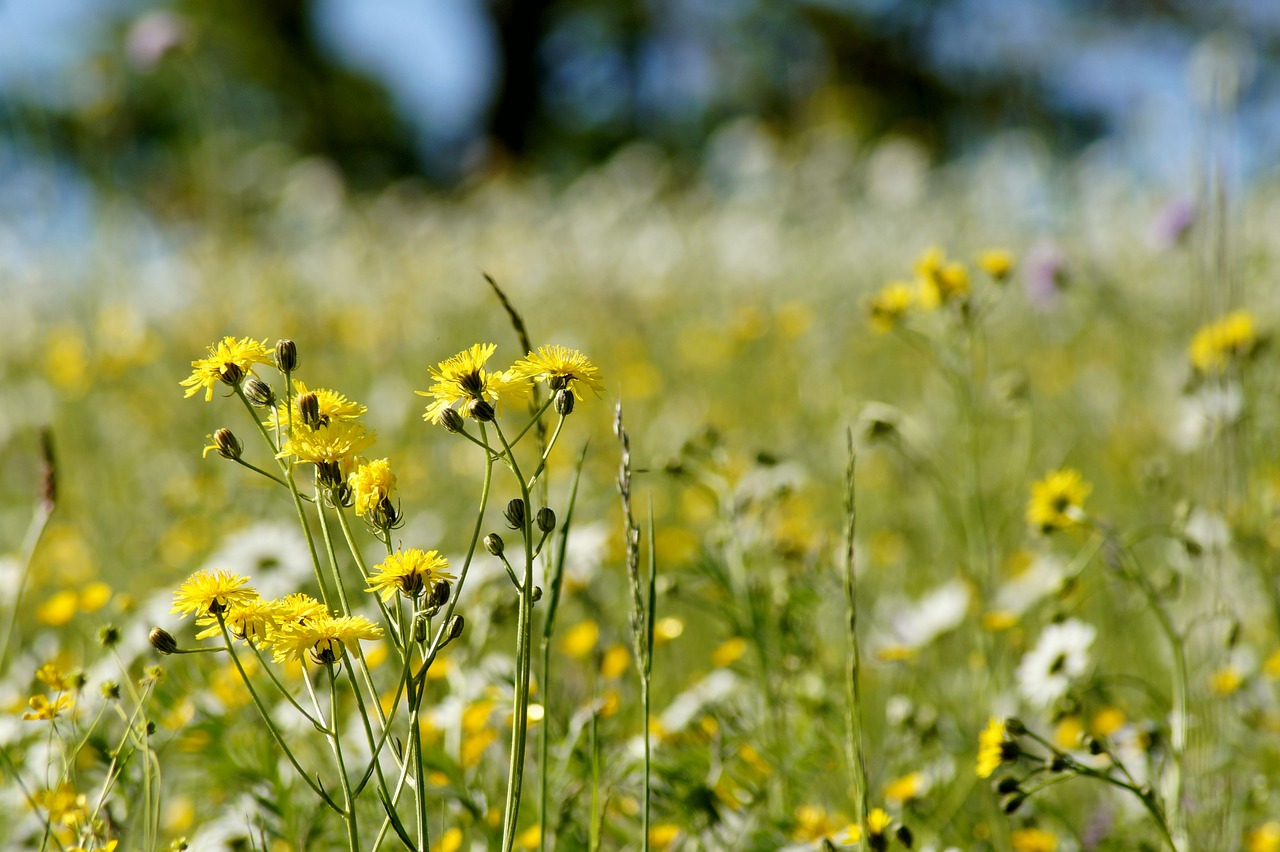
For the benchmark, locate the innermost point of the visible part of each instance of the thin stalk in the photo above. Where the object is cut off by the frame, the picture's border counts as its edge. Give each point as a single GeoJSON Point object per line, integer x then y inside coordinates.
{"type": "Point", "coordinates": [39, 520]}
{"type": "Point", "coordinates": [349, 802]}
{"type": "Point", "coordinates": [855, 752]}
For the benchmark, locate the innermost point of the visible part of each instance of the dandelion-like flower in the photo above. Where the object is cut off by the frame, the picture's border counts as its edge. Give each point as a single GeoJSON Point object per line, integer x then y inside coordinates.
{"type": "Point", "coordinates": [339, 441]}
{"type": "Point", "coordinates": [462, 380]}
{"type": "Point", "coordinates": [323, 638]}
{"type": "Point", "coordinates": [371, 484]}
{"type": "Point", "coordinates": [330, 404]}
{"type": "Point", "coordinates": [42, 709]}
{"type": "Point", "coordinates": [940, 281]}
{"type": "Point", "coordinates": [998, 263]}
{"type": "Point", "coordinates": [1228, 338]}
{"type": "Point", "coordinates": [993, 747]}
{"type": "Point", "coordinates": [1060, 656]}
{"type": "Point", "coordinates": [1057, 501]}
{"type": "Point", "coordinates": [228, 362]}
{"type": "Point", "coordinates": [1033, 840]}
{"type": "Point", "coordinates": [408, 572]}
{"type": "Point", "coordinates": [210, 592]}
{"type": "Point", "coordinates": [890, 305]}
{"type": "Point", "coordinates": [560, 367]}
{"type": "Point", "coordinates": [299, 608]}
{"type": "Point", "coordinates": [252, 621]}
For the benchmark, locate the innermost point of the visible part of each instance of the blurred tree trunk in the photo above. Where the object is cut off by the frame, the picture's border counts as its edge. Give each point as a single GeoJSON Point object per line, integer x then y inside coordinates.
{"type": "Point", "coordinates": [521, 25]}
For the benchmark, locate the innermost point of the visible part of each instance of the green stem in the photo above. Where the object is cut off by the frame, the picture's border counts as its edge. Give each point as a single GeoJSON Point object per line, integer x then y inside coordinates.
{"type": "Point", "coordinates": [349, 802]}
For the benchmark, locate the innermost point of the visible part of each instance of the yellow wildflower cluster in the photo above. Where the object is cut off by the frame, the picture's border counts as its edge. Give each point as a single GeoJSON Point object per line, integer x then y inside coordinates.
{"type": "Point", "coordinates": [291, 626]}
{"type": "Point", "coordinates": [1226, 339]}
{"type": "Point", "coordinates": [463, 385]}
{"type": "Point", "coordinates": [938, 282]}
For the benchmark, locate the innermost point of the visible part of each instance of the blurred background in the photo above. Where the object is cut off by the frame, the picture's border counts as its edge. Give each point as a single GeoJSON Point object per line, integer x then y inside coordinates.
{"type": "Point", "coordinates": [165, 102]}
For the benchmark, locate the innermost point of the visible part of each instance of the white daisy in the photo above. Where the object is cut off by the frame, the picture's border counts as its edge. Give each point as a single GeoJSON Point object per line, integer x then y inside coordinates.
{"type": "Point", "coordinates": [1061, 656]}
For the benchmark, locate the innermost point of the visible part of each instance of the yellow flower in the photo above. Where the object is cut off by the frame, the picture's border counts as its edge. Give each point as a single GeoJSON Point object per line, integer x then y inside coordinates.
{"type": "Point", "coordinates": [299, 608]}
{"type": "Point", "coordinates": [63, 805]}
{"type": "Point", "coordinates": [991, 747]}
{"type": "Point", "coordinates": [907, 787]}
{"type": "Point", "coordinates": [323, 638]}
{"type": "Point", "coordinates": [329, 445]}
{"type": "Point", "coordinates": [939, 281]}
{"type": "Point", "coordinates": [663, 835]}
{"type": "Point", "coordinates": [560, 367]}
{"type": "Point", "coordinates": [530, 837]}
{"type": "Point", "coordinates": [814, 823]}
{"type": "Point", "coordinates": [44, 709]}
{"type": "Point", "coordinates": [1033, 840]}
{"type": "Point", "coordinates": [1226, 681]}
{"type": "Point", "coordinates": [729, 652]}
{"type": "Point", "coordinates": [408, 572]}
{"type": "Point", "coordinates": [463, 379]}
{"type": "Point", "coordinates": [228, 362]}
{"type": "Point", "coordinates": [1264, 838]}
{"type": "Point", "coordinates": [54, 677]}
{"type": "Point", "coordinates": [331, 405]}
{"type": "Point", "coordinates": [371, 484]}
{"type": "Point", "coordinates": [998, 263]}
{"type": "Point", "coordinates": [581, 639]}
{"type": "Point", "coordinates": [210, 592]}
{"type": "Point", "coordinates": [1217, 343]}
{"type": "Point", "coordinates": [252, 621]}
{"type": "Point", "coordinates": [1057, 501]}
{"type": "Point", "coordinates": [617, 659]}
{"type": "Point", "coordinates": [878, 823]}
{"type": "Point", "coordinates": [888, 307]}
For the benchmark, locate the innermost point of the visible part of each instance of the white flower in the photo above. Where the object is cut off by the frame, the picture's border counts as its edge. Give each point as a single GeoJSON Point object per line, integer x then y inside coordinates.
{"type": "Point", "coordinates": [1043, 577]}
{"type": "Point", "coordinates": [1205, 414]}
{"type": "Point", "coordinates": [1061, 655]}
{"type": "Point", "coordinates": [911, 625]}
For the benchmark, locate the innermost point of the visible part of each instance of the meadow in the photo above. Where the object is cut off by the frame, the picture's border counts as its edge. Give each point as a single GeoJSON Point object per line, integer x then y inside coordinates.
{"type": "Point", "coordinates": [946, 516]}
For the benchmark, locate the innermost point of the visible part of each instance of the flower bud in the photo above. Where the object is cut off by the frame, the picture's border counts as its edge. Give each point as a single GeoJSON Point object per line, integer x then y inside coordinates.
{"type": "Point", "coordinates": [514, 514]}
{"type": "Point", "coordinates": [1014, 802]}
{"type": "Point", "coordinates": [227, 444]}
{"type": "Point", "coordinates": [546, 519]}
{"type": "Point", "coordinates": [451, 420]}
{"type": "Point", "coordinates": [482, 411]}
{"type": "Point", "coordinates": [231, 373]}
{"type": "Point", "coordinates": [1007, 784]}
{"type": "Point", "coordinates": [420, 627]}
{"type": "Point", "coordinates": [494, 544]}
{"type": "Point", "coordinates": [1058, 763]}
{"type": "Point", "coordinates": [1014, 727]}
{"type": "Point", "coordinates": [456, 625]}
{"type": "Point", "coordinates": [439, 594]}
{"type": "Point", "coordinates": [162, 640]}
{"type": "Point", "coordinates": [905, 837]}
{"type": "Point", "coordinates": [259, 392]}
{"type": "Point", "coordinates": [564, 402]}
{"type": "Point", "coordinates": [537, 593]}
{"type": "Point", "coordinates": [309, 408]}
{"type": "Point", "coordinates": [108, 636]}
{"type": "Point", "coordinates": [110, 690]}
{"type": "Point", "coordinates": [286, 356]}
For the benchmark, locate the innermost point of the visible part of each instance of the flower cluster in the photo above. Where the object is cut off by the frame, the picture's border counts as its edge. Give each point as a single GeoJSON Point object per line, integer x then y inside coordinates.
{"type": "Point", "coordinates": [938, 282]}
{"type": "Point", "coordinates": [1219, 343]}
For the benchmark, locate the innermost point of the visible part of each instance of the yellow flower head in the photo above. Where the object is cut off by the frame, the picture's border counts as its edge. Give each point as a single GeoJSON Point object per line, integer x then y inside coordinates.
{"type": "Point", "coordinates": [252, 621]}
{"type": "Point", "coordinates": [1033, 840]}
{"type": "Point", "coordinates": [560, 367]}
{"type": "Point", "coordinates": [324, 638]}
{"type": "Point", "coordinates": [339, 441]}
{"type": "Point", "coordinates": [211, 592]}
{"type": "Point", "coordinates": [907, 787]}
{"type": "Point", "coordinates": [42, 709]}
{"type": "Point", "coordinates": [1216, 344]}
{"type": "Point", "coordinates": [940, 281]}
{"type": "Point", "coordinates": [1057, 501]}
{"type": "Point", "coordinates": [890, 305]}
{"type": "Point", "coordinates": [331, 405]}
{"type": "Point", "coordinates": [228, 362]}
{"type": "Point", "coordinates": [1264, 838]}
{"type": "Point", "coordinates": [463, 379]}
{"type": "Point", "coordinates": [298, 608]}
{"type": "Point", "coordinates": [371, 484]}
{"type": "Point", "coordinates": [992, 749]}
{"type": "Point", "coordinates": [878, 822]}
{"type": "Point", "coordinates": [998, 263]}
{"type": "Point", "coordinates": [53, 676]}
{"type": "Point", "coordinates": [408, 572]}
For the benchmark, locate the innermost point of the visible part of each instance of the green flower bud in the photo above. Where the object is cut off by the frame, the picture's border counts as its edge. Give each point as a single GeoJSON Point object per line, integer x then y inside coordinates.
{"type": "Point", "coordinates": [546, 519]}
{"type": "Point", "coordinates": [162, 640]}
{"type": "Point", "coordinates": [286, 356]}
{"type": "Point", "coordinates": [515, 514]}
{"type": "Point", "coordinates": [259, 392]}
{"type": "Point", "coordinates": [494, 544]}
{"type": "Point", "coordinates": [451, 420]}
{"type": "Point", "coordinates": [309, 408]}
{"type": "Point", "coordinates": [564, 402]}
